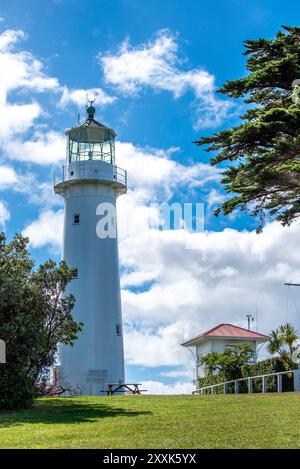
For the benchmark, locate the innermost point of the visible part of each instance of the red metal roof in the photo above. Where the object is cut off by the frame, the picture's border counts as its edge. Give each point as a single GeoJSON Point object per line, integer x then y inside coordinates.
{"type": "Point", "coordinates": [230, 331]}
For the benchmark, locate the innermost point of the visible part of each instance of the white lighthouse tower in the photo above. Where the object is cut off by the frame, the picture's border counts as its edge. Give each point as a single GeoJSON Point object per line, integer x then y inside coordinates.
{"type": "Point", "coordinates": [90, 184]}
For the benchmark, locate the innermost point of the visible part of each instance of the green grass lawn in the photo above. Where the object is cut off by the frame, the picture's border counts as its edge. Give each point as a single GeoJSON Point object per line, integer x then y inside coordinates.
{"type": "Point", "coordinates": [243, 421]}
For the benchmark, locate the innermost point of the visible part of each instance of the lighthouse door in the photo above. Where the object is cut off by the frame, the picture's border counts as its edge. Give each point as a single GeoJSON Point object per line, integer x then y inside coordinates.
{"type": "Point", "coordinates": [96, 382]}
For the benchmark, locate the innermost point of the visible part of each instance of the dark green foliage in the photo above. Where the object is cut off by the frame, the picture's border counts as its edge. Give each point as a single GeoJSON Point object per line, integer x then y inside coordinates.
{"type": "Point", "coordinates": [264, 367]}
{"type": "Point", "coordinates": [229, 362]}
{"type": "Point", "coordinates": [34, 318]}
{"type": "Point", "coordinates": [263, 173]}
{"type": "Point", "coordinates": [211, 378]}
{"type": "Point", "coordinates": [226, 365]}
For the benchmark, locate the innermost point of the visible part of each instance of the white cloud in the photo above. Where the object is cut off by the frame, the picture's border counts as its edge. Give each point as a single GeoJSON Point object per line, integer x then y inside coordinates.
{"type": "Point", "coordinates": [4, 214]}
{"type": "Point", "coordinates": [8, 177]}
{"type": "Point", "coordinates": [214, 199]}
{"type": "Point", "coordinates": [39, 193]}
{"type": "Point", "coordinates": [154, 169]}
{"type": "Point", "coordinates": [21, 73]}
{"type": "Point", "coordinates": [20, 69]}
{"type": "Point", "coordinates": [155, 347]}
{"type": "Point", "coordinates": [157, 387]}
{"type": "Point", "coordinates": [9, 38]}
{"type": "Point", "coordinates": [80, 96]}
{"type": "Point", "coordinates": [192, 290]}
{"type": "Point", "coordinates": [43, 149]}
{"type": "Point", "coordinates": [175, 373]}
{"type": "Point", "coordinates": [156, 65]}
{"type": "Point", "coordinates": [16, 119]}
{"type": "Point", "coordinates": [47, 229]}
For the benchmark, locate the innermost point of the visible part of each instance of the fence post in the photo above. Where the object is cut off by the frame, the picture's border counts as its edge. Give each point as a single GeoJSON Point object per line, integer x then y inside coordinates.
{"type": "Point", "coordinates": [249, 385]}
{"type": "Point", "coordinates": [212, 390]}
{"type": "Point", "coordinates": [264, 384]}
{"type": "Point", "coordinates": [296, 380]}
{"type": "Point", "coordinates": [236, 387]}
{"type": "Point", "coordinates": [279, 383]}
{"type": "Point", "coordinates": [225, 388]}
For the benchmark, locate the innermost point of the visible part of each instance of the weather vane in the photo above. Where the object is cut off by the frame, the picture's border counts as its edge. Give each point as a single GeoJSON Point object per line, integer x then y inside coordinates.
{"type": "Point", "coordinates": [91, 101]}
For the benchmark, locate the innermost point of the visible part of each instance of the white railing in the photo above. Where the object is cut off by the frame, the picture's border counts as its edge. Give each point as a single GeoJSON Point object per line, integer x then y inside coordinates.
{"type": "Point", "coordinates": [87, 171]}
{"type": "Point", "coordinates": [249, 381]}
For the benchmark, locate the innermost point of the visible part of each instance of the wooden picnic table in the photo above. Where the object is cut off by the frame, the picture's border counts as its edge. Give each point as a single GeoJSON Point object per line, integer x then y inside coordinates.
{"type": "Point", "coordinates": [131, 388]}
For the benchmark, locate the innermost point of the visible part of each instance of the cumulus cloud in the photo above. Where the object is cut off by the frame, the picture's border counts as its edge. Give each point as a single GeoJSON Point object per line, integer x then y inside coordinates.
{"type": "Point", "coordinates": [156, 65]}
{"type": "Point", "coordinates": [80, 96]}
{"type": "Point", "coordinates": [228, 275]}
{"type": "Point", "coordinates": [157, 387]}
{"type": "Point", "coordinates": [22, 72]}
{"type": "Point", "coordinates": [15, 119]}
{"type": "Point", "coordinates": [47, 229]}
{"type": "Point", "coordinates": [4, 214]}
{"type": "Point", "coordinates": [144, 346]}
{"type": "Point", "coordinates": [43, 149]}
{"type": "Point", "coordinates": [155, 171]}
{"type": "Point", "coordinates": [20, 69]}
{"type": "Point", "coordinates": [8, 177]}
{"type": "Point", "coordinates": [27, 183]}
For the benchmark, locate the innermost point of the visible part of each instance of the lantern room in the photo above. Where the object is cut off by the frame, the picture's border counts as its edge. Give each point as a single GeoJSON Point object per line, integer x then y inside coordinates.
{"type": "Point", "coordinates": [90, 140]}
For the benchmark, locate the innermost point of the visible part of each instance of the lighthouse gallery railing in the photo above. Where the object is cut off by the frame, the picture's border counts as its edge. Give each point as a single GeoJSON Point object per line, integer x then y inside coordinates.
{"type": "Point", "coordinates": [87, 171]}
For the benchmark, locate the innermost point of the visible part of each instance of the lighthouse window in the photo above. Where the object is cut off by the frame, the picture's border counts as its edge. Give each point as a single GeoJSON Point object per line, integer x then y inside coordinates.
{"type": "Point", "coordinates": [75, 273]}
{"type": "Point", "coordinates": [76, 219]}
{"type": "Point", "coordinates": [118, 329]}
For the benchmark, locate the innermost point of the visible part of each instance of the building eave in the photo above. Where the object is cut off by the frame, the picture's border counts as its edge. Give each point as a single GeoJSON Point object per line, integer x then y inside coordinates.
{"type": "Point", "coordinates": [193, 342]}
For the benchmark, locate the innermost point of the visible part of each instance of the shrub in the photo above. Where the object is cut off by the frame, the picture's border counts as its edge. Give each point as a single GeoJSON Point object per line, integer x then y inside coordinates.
{"type": "Point", "coordinates": [35, 315]}
{"type": "Point", "coordinates": [264, 367]}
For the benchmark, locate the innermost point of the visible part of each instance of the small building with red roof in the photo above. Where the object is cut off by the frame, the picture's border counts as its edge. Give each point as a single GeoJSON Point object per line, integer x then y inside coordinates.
{"type": "Point", "coordinates": [218, 338]}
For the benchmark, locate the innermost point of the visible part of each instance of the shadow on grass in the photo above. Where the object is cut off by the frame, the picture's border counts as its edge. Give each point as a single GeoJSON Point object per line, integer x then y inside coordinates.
{"type": "Point", "coordinates": [65, 411]}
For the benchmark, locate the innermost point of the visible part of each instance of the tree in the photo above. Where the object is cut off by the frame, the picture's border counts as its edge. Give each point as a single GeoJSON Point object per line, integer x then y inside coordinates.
{"type": "Point", "coordinates": [35, 315]}
{"type": "Point", "coordinates": [229, 362]}
{"type": "Point", "coordinates": [262, 154]}
{"type": "Point", "coordinates": [283, 343]}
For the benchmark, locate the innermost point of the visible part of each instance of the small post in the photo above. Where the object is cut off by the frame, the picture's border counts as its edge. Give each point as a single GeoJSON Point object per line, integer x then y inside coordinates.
{"type": "Point", "coordinates": [236, 387]}
{"type": "Point", "coordinates": [225, 388]}
{"type": "Point", "coordinates": [264, 384]}
{"type": "Point", "coordinates": [212, 389]}
{"type": "Point", "coordinates": [279, 383]}
{"type": "Point", "coordinates": [249, 386]}
{"type": "Point", "coordinates": [296, 374]}
{"type": "Point", "coordinates": [2, 351]}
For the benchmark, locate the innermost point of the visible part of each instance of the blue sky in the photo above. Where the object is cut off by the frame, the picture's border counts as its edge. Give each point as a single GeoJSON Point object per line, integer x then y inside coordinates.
{"type": "Point", "coordinates": [154, 68]}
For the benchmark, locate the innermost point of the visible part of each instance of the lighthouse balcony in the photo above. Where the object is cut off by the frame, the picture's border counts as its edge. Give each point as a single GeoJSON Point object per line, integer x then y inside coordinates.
{"type": "Point", "coordinates": [90, 171]}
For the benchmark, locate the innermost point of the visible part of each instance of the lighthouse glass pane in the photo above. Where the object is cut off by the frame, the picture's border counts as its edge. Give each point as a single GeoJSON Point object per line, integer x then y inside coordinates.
{"type": "Point", "coordinates": [84, 151]}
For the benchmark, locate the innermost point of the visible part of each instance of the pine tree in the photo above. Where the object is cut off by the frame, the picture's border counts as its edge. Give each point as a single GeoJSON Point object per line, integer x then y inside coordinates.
{"type": "Point", "coordinates": [262, 154]}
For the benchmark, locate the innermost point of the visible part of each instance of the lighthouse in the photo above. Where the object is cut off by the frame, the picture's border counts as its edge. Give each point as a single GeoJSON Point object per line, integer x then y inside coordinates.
{"type": "Point", "coordinates": [90, 183]}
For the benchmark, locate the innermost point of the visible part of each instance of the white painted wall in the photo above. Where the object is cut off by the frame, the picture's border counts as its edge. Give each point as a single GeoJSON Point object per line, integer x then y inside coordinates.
{"type": "Point", "coordinates": [209, 345]}
{"type": "Point", "coordinates": [97, 356]}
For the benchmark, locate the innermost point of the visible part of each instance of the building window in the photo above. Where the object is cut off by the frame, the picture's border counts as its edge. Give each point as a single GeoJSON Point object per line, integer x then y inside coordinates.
{"type": "Point", "coordinates": [76, 219]}
{"type": "Point", "coordinates": [118, 329]}
{"type": "Point", "coordinates": [75, 273]}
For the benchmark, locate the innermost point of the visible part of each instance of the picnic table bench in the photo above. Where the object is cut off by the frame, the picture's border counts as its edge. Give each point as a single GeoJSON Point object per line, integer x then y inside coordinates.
{"type": "Point", "coordinates": [130, 388]}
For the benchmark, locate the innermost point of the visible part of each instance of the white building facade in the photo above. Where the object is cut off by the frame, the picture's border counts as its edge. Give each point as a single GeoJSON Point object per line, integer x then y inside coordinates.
{"type": "Point", "coordinates": [90, 183]}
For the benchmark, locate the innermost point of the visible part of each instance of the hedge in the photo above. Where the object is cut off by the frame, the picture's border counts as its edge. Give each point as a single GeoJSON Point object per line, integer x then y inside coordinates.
{"type": "Point", "coordinates": [264, 367]}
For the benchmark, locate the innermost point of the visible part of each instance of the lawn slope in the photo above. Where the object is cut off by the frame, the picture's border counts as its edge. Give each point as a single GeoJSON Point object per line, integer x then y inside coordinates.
{"type": "Point", "coordinates": [242, 421]}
